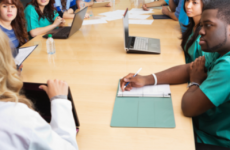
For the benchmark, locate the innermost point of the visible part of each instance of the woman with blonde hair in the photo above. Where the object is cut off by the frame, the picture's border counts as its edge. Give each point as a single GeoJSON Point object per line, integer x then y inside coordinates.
{"type": "Point", "coordinates": [22, 127]}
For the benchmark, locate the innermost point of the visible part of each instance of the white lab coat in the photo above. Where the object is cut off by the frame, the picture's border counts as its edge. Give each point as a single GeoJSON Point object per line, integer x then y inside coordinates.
{"type": "Point", "coordinates": [24, 129]}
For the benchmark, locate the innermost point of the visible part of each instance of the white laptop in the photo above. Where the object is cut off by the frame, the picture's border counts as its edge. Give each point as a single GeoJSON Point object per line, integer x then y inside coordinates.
{"type": "Point", "coordinates": [135, 44]}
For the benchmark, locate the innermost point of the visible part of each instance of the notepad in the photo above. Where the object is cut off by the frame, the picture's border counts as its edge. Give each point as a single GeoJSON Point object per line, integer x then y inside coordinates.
{"type": "Point", "coordinates": [143, 112]}
{"type": "Point", "coordinates": [147, 91]}
{"type": "Point", "coordinates": [23, 53]}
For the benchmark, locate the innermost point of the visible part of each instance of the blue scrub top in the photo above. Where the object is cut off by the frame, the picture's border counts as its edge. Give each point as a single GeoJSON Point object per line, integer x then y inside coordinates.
{"type": "Point", "coordinates": [181, 14]}
{"type": "Point", "coordinates": [167, 1]}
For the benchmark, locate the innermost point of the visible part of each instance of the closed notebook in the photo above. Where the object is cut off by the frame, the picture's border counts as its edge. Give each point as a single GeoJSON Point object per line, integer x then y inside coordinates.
{"type": "Point", "coordinates": [147, 112]}
{"type": "Point", "coordinates": [161, 17]}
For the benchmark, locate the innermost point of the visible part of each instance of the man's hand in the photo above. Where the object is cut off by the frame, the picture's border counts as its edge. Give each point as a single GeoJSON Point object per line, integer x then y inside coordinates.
{"type": "Point", "coordinates": [137, 81]}
{"type": "Point", "coordinates": [197, 70]}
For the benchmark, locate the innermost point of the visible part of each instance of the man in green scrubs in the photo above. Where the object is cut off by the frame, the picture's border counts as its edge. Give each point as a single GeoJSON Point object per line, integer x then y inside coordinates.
{"type": "Point", "coordinates": [207, 99]}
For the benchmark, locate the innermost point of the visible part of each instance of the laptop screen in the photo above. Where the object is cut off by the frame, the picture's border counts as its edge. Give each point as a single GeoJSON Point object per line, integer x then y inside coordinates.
{"type": "Point", "coordinates": [77, 21]}
{"type": "Point", "coordinates": [126, 28]}
{"type": "Point", "coordinates": [42, 103]}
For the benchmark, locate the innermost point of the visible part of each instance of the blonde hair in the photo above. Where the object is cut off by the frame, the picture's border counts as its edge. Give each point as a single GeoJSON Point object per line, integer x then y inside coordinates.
{"type": "Point", "coordinates": [10, 81]}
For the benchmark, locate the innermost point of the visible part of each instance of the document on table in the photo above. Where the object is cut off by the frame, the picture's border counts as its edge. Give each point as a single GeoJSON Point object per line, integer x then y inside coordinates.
{"type": "Point", "coordinates": [114, 13]}
{"type": "Point", "coordinates": [143, 22]}
{"type": "Point", "coordinates": [147, 91]}
{"type": "Point", "coordinates": [136, 16]}
{"type": "Point", "coordinates": [23, 53]}
{"type": "Point", "coordinates": [140, 11]}
{"type": "Point", "coordinates": [94, 21]}
{"type": "Point", "coordinates": [111, 18]}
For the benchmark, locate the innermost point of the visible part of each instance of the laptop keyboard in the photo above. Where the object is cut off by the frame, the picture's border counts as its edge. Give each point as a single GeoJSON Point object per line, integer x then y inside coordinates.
{"type": "Point", "coordinates": [64, 32]}
{"type": "Point", "coordinates": [141, 43]}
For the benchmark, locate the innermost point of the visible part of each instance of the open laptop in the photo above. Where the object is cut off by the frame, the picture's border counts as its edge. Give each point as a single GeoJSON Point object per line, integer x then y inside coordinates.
{"type": "Point", "coordinates": [139, 44]}
{"type": "Point", "coordinates": [100, 4]}
{"type": "Point", "coordinates": [41, 101]}
{"type": "Point", "coordinates": [66, 32]}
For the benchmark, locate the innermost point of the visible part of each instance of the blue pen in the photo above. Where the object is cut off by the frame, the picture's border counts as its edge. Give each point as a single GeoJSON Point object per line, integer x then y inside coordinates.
{"type": "Point", "coordinates": [133, 76]}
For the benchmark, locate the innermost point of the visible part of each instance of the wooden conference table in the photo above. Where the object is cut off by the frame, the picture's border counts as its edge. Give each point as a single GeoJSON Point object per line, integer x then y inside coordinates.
{"type": "Point", "coordinates": [92, 61]}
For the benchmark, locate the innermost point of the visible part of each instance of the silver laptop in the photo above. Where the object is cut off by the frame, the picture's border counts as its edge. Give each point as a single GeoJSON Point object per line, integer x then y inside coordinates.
{"type": "Point", "coordinates": [139, 44]}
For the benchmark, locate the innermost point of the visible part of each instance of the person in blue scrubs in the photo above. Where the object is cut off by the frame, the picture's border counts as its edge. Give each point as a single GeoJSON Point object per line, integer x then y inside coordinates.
{"type": "Point", "coordinates": [177, 12]}
{"type": "Point", "coordinates": [155, 4]}
{"type": "Point", "coordinates": [207, 99]}
{"type": "Point", "coordinates": [66, 8]}
{"type": "Point", "coordinates": [90, 2]}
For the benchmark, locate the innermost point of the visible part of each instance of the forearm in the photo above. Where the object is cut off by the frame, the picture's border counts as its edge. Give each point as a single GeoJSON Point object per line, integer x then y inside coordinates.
{"type": "Point", "coordinates": [89, 3]}
{"type": "Point", "coordinates": [194, 102]}
{"type": "Point", "coordinates": [172, 15]}
{"type": "Point", "coordinates": [156, 3]}
{"type": "Point", "coordinates": [175, 75]}
{"type": "Point", "coordinates": [62, 121]}
{"type": "Point", "coordinates": [172, 5]}
{"type": "Point", "coordinates": [38, 31]}
{"type": "Point", "coordinates": [67, 15]}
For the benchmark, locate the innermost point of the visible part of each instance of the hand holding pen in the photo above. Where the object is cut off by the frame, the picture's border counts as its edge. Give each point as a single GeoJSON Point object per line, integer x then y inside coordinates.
{"type": "Point", "coordinates": [132, 80]}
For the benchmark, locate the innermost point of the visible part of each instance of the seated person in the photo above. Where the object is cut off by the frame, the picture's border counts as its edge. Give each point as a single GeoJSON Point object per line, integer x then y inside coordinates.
{"type": "Point", "coordinates": [63, 9]}
{"type": "Point", "coordinates": [90, 2]}
{"type": "Point", "coordinates": [13, 23]}
{"type": "Point", "coordinates": [41, 17]}
{"type": "Point", "coordinates": [66, 8]}
{"type": "Point", "coordinates": [208, 96]}
{"type": "Point", "coordinates": [155, 4]}
{"type": "Point", "coordinates": [191, 37]}
{"type": "Point", "coordinates": [177, 12]}
{"type": "Point", "coordinates": [23, 128]}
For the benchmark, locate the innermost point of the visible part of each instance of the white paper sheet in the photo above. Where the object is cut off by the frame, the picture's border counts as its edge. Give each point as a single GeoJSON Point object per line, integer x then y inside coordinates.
{"type": "Point", "coordinates": [136, 16]}
{"type": "Point", "coordinates": [94, 21]}
{"type": "Point", "coordinates": [23, 54]}
{"type": "Point", "coordinates": [143, 22]}
{"type": "Point", "coordinates": [111, 18]}
{"type": "Point", "coordinates": [140, 11]}
{"type": "Point", "coordinates": [147, 91]}
{"type": "Point", "coordinates": [114, 13]}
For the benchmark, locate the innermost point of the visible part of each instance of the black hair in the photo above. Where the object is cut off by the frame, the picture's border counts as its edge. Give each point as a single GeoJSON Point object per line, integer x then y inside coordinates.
{"type": "Point", "coordinates": [189, 30]}
{"type": "Point", "coordinates": [223, 9]}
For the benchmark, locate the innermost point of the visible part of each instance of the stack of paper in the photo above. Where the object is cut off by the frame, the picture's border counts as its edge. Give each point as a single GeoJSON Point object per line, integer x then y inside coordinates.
{"type": "Point", "coordinates": [147, 91]}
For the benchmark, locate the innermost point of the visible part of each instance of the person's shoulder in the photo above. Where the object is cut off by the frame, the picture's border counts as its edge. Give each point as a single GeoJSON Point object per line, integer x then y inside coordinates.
{"type": "Point", "coordinates": [16, 112]}
{"type": "Point", "coordinates": [30, 8]}
{"type": "Point", "coordinates": [224, 60]}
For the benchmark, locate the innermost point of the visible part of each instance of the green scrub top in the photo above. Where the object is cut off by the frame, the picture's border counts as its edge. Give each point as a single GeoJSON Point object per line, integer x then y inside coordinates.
{"type": "Point", "coordinates": [194, 50]}
{"type": "Point", "coordinates": [213, 126]}
{"type": "Point", "coordinates": [32, 18]}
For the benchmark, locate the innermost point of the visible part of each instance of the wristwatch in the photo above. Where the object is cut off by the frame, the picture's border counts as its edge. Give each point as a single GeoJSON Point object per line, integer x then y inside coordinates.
{"type": "Point", "coordinates": [193, 83]}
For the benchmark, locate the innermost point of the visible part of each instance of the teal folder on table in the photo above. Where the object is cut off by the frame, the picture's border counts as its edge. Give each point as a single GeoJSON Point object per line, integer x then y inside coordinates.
{"type": "Point", "coordinates": [148, 112]}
